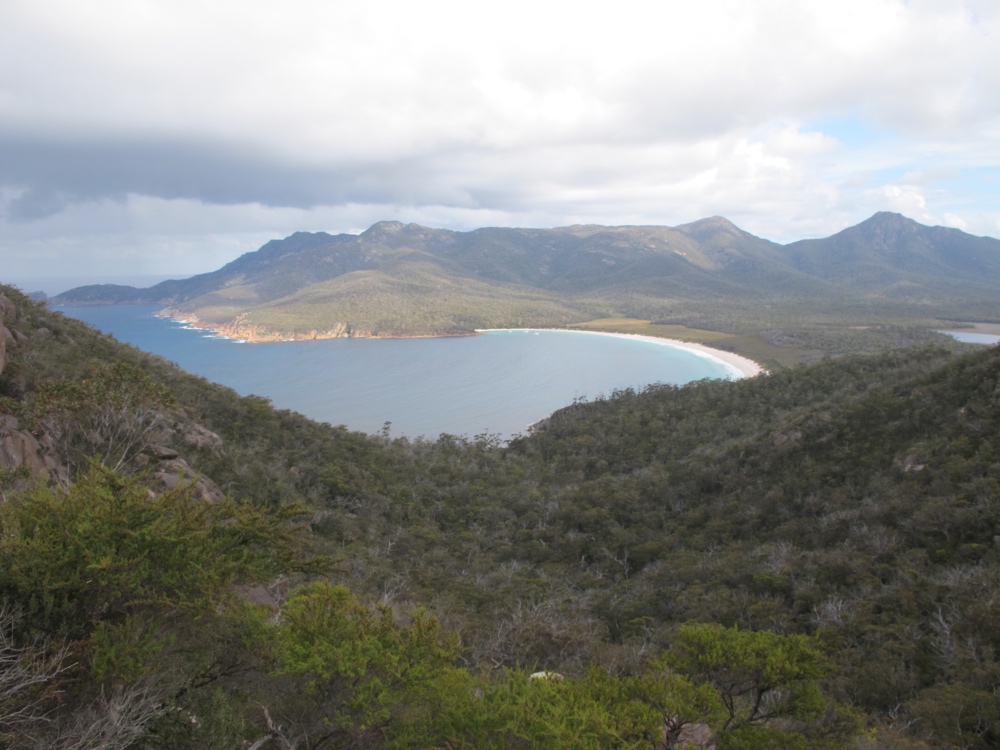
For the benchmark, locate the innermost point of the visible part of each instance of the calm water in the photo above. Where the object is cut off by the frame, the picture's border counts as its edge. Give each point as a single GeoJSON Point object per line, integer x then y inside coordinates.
{"type": "Point", "coordinates": [974, 338]}
{"type": "Point", "coordinates": [497, 383]}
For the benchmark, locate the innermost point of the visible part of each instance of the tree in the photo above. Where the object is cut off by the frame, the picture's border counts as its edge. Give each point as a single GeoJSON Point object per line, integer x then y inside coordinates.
{"type": "Point", "coordinates": [140, 588]}
{"type": "Point", "coordinates": [114, 413]}
{"type": "Point", "coordinates": [354, 668]}
{"type": "Point", "coordinates": [760, 676]}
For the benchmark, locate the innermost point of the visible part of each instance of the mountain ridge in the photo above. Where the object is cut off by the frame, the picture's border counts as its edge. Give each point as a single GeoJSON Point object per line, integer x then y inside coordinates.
{"type": "Point", "coordinates": [710, 270]}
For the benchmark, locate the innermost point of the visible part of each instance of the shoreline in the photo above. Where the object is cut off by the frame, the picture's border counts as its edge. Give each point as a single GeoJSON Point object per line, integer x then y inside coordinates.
{"type": "Point", "coordinates": [737, 364]}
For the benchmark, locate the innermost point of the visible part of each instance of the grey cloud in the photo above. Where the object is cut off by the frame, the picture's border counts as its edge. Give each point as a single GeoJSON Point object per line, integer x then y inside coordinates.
{"type": "Point", "coordinates": [35, 203]}
{"type": "Point", "coordinates": [51, 174]}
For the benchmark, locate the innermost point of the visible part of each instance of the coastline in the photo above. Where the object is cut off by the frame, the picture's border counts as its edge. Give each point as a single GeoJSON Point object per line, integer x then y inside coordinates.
{"type": "Point", "coordinates": [253, 334]}
{"type": "Point", "coordinates": [738, 365]}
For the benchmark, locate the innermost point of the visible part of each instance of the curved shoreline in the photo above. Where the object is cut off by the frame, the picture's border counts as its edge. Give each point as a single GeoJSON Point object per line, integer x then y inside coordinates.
{"type": "Point", "coordinates": [738, 365]}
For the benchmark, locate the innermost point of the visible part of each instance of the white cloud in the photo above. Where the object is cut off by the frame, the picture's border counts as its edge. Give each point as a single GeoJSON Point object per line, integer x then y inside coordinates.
{"type": "Point", "coordinates": [169, 125]}
{"type": "Point", "coordinates": [953, 220]}
{"type": "Point", "coordinates": [905, 199]}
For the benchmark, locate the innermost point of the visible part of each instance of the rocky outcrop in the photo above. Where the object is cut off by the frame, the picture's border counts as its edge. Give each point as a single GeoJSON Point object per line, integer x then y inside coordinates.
{"type": "Point", "coordinates": [239, 328]}
{"type": "Point", "coordinates": [173, 471]}
{"type": "Point", "coordinates": [202, 438]}
{"type": "Point", "coordinates": [696, 736]}
{"type": "Point", "coordinates": [692, 736]}
{"type": "Point", "coordinates": [24, 456]}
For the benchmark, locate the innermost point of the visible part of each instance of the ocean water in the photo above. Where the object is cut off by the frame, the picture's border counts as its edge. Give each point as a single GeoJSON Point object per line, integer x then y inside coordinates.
{"type": "Point", "coordinates": [497, 383]}
{"type": "Point", "coordinates": [974, 338]}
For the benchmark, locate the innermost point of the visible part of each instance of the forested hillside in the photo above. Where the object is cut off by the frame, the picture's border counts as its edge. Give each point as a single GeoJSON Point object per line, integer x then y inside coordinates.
{"type": "Point", "coordinates": [803, 560]}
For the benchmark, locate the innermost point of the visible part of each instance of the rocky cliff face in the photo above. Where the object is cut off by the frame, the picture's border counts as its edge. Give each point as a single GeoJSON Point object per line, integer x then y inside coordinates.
{"type": "Point", "coordinates": [241, 329]}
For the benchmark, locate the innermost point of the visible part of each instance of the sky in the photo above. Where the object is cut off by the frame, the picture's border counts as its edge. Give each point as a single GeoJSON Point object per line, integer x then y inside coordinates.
{"type": "Point", "coordinates": [143, 138]}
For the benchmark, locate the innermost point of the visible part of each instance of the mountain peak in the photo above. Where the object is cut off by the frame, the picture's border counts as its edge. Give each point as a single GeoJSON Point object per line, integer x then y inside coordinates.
{"type": "Point", "coordinates": [712, 222]}
{"type": "Point", "coordinates": [713, 226]}
{"type": "Point", "coordinates": [889, 219]}
{"type": "Point", "coordinates": [384, 227]}
{"type": "Point", "coordinates": [886, 229]}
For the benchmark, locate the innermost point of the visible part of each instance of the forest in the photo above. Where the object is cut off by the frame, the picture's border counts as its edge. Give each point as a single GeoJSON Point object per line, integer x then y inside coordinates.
{"type": "Point", "coordinates": [809, 559]}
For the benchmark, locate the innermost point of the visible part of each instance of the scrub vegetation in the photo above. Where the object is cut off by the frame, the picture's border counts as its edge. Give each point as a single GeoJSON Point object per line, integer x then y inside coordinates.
{"type": "Point", "coordinates": [804, 560]}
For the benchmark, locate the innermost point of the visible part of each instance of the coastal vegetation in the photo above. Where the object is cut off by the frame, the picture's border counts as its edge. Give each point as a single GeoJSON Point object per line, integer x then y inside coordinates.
{"type": "Point", "coordinates": [886, 283]}
{"type": "Point", "coordinates": [807, 559]}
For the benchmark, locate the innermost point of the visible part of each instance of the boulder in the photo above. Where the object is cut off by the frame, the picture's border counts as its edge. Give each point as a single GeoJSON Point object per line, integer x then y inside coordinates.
{"type": "Point", "coordinates": [175, 473]}
{"type": "Point", "coordinates": [546, 675]}
{"type": "Point", "coordinates": [19, 448]}
{"type": "Point", "coordinates": [696, 736]}
{"type": "Point", "coordinates": [693, 736]}
{"type": "Point", "coordinates": [201, 437]}
{"type": "Point", "coordinates": [163, 453]}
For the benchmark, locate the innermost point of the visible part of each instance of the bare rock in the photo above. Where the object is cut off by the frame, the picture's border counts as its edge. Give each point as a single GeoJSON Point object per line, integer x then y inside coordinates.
{"type": "Point", "coordinates": [174, 473]}
{"type": "Point", "coordinates": [19, 448]}
{"type": "Point", "coordinates": [163, 453]}
{"type": "Point", "coordinates": [909, 464]}
{"type": "Point", "coordinates": [546, 675]}
{"type": "Point", "coordinates": [687, 735]}
{"type": "Point", "coordinates": [696, 735]}
{"type": "Point", "coordinates": [201, 437]}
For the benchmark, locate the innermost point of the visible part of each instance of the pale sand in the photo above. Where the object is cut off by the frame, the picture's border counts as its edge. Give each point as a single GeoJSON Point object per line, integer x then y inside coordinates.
{"type": "Point", "coordinates": [740, 367]}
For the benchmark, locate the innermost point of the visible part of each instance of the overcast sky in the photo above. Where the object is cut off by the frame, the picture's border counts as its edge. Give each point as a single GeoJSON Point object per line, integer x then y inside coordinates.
{"type": "Point", "coordinates": [170, 136]}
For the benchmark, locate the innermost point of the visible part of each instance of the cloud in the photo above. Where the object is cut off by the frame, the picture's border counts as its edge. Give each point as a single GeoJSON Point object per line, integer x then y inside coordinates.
{"type": "Point", "coordinates": [789, 118]}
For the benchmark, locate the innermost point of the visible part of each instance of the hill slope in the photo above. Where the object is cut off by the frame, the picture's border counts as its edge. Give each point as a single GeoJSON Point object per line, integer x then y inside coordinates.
{"type": "Point", "coordinates": [707, 274]}
{"type": "Point", "coordinates": [857, 501]}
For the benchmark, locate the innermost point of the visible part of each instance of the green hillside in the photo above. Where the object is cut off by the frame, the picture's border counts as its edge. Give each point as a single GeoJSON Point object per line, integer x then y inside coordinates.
{"type": "Point", "coordinates": [832, 526]}
{"type": "Point", "coordinates": [412, 297]}
{"type": "Point", "coordinates": [793, 303]}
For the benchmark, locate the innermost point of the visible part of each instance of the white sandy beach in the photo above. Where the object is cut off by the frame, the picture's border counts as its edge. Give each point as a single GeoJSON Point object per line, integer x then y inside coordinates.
{"type": "Point", "coordinates": [740, 367]}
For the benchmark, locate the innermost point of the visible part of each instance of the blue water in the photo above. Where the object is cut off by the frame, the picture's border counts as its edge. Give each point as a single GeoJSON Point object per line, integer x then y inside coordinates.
{"type": "Point", "coordinates": [496, 383]}
{"type": "Point", "coordinates": [974, 338]}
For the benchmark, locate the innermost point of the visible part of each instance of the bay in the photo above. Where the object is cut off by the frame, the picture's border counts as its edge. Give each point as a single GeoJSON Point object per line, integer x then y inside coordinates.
{"type": "Point", "coordinates": [497, 383]}
{"type": "Point", "coordinates": [967, 337]}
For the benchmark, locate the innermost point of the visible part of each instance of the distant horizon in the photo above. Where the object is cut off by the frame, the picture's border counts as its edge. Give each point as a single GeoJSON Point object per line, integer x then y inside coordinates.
{"type": "Point", "coordinates": [63, 283]}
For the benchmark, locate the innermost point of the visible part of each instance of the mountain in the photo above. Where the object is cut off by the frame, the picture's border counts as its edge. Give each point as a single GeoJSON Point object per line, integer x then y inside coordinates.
{"type": "Point", "coordinates": [891, 253]}
{"type": "Point", "coordinates": [399, 279]}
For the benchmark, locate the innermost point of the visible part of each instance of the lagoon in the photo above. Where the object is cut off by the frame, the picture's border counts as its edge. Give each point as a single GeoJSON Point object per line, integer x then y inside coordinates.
{"type": "Point", "coordinates": [497, 383]}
